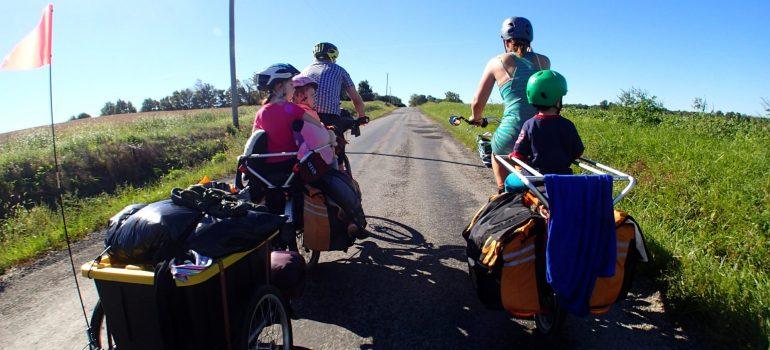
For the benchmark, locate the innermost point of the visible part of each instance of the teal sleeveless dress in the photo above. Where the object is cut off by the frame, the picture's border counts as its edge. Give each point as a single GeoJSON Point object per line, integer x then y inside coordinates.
{"type": "Point", "coordinates": [517, 109]}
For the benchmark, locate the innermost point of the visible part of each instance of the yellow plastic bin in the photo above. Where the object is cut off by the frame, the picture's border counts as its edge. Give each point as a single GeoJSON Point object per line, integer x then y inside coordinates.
{"type": "Point", "coordinates": [143, 312]}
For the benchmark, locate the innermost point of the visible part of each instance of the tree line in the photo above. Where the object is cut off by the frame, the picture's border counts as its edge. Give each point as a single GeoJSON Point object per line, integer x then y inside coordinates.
{"type": "Point", "coordinates": [205, 95]}
{"type": "Point", "coordinates": [367, 94]}
{"type": "Point", "coordinates": [449, 96]}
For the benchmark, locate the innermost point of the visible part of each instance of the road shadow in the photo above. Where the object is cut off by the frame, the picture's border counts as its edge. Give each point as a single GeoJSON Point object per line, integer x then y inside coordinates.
{"type": "Point", "coordinates": [404, 292]}
{"type": "Point", "coordinates": [416, 158]}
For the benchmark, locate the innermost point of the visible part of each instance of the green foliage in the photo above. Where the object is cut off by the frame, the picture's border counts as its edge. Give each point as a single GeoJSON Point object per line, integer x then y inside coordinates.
{"type": "Point", "coordinates": [392, 100]}
{"type": "Point", "coordinates": [703, 199]}
{"type": "Point", "coordinates": [108, 164]}
{"type": "Point", "coordinates": [100, 157]}
{"type": "Point", "coordinates": [83, 115]}
{"type": "Point", "coordinates": [365, 91]}
{"type": "Point", "coordinates": [416, 100]}
{"type": "Point", "coordinates": [108, 109]}
{"type": "Point", "coordinates": [452, 97]}
{"type": "Point", "coordinates": [149, 105]}
{"type": "Point", "coordinates": [119, 107]}
{"type": "Point", "coordinates": [699, 104]}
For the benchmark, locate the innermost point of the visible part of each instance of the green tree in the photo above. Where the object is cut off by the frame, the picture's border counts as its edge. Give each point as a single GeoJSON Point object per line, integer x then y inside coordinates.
{"type": "Point", "coordinates": [182, 99]}
{"type": "Point", "coordinates": [433, 99]}
{"type": "Point", "coordinates": [452, 97]}
{"type": "Point", "coordinates": [639, 99]}
{"type": "Point", "coordinates": [765, 107]}
{"type": "Point", "coordinates": [149, 105]}
{"type": "Point", "coordinates": [699, 104]}
{"type": "Point", "coordinates": [393, 100]}
{"type": "Point", "coordinates": [604, 105]}
{"type": "Point", "coordinates": [365, 91]}
{"type": "Point", "coordinates": [204, 95]}
{"type": "Point", "coordinates": [223, 99]}
{"type": "Point", "coordinates": [165, 104]}
{"type": "Point", "coordinates": [416, 100]}
{"type": "Point", "coordinates": [108, 109]}
{"type": "Point", "coordinates": [83, 115]}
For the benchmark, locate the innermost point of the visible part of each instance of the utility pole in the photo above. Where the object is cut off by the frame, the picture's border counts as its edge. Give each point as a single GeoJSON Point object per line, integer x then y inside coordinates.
{"type": "Point", "coordinates": [234, 97]}
{"type": "Point", "coordinates": [386, 84]}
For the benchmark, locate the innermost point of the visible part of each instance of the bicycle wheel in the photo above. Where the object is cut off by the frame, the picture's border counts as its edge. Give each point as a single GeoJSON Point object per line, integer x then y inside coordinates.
{"type": "Point", "coordinates": [311, 256]}
{"type": "Point", "coordinates": [549, 323]}
{"type": "Point", "coordinates": [346, 163]}
{"type": "Point", "coordinates": [267, 324]}
{"type": "Point", "coordinates": [100, 333]}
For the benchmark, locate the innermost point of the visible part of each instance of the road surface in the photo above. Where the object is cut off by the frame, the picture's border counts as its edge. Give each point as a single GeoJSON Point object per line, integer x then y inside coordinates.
{"type": "Point", "coordinates": [404, 287]}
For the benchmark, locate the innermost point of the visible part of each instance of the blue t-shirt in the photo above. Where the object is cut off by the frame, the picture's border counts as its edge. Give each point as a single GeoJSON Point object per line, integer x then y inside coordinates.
{"type": "Point", "coordinates": [550, 143]}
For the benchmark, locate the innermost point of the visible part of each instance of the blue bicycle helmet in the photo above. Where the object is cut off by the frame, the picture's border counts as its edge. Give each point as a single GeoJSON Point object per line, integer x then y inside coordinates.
{"type": "Point", "coordinates": [518, 28]}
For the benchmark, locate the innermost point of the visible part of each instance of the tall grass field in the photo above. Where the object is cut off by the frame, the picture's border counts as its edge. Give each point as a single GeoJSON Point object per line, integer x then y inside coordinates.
{"type": "Point", "coordinates": [703, 201]}
{"type": "Point", "coordinates": [107, 163]}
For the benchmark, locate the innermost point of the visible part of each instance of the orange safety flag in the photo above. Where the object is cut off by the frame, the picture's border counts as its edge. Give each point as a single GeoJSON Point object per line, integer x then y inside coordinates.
{"type": "Point", "coordinates": [34, 50]}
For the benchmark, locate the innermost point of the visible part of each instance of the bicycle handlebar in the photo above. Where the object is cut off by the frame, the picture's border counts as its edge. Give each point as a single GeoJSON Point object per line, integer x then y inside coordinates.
{"type": "Point", "coordinates": [457, 120]}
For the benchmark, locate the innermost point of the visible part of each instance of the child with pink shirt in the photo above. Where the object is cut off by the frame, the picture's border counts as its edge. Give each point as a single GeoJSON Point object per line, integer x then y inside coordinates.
{"type": "Point", "coordinates": [314, 133]}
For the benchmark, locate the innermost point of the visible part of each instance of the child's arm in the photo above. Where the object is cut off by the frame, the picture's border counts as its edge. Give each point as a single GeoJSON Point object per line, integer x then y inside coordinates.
{"type": "Point", "coordinates": [577, 143]}
{"type": "Point", "coordinates": [523, 148]}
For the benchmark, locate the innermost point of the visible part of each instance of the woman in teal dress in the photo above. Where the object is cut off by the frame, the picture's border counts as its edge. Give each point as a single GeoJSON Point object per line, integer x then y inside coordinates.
{"type": "Point", "coordinates": [510, 71]}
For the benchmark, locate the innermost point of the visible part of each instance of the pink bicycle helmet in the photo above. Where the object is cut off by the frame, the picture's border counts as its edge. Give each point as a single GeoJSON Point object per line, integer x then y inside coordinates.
{"type": "Point", "coordinates": [302, 80]}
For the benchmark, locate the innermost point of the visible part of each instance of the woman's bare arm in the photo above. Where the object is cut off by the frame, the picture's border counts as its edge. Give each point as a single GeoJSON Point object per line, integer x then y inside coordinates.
{"type": "Point", "coordinates": [483, 91]}
{"type": "Point", "coordinates": [545, 61]}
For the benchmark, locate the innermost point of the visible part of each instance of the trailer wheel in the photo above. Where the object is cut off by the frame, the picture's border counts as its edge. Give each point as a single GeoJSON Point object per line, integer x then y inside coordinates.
{"type": "Point", "coordinates": [267, 324]}
{"type": "Point", "coordinates": [100, 335]}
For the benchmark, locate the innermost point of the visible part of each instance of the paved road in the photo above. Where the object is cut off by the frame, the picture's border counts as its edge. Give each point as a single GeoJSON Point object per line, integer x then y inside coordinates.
{"type": "Point", "coordinates": [404, 287]}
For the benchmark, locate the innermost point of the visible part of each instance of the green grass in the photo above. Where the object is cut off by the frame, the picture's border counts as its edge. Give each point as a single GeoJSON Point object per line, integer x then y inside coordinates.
{"type": "Point", "coordinates": [703, 199]}
{"type": "Point", "coordinates": [27, 232]}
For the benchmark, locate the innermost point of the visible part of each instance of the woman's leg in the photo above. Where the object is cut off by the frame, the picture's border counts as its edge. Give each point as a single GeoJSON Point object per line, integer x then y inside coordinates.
{"type": "Point", "coordinates": [500, 171]}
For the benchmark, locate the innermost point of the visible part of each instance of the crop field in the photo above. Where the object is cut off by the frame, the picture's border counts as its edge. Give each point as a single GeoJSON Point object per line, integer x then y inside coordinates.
{"type": "Point", "coordinates": [703, 200]}
{"type": "Point", "coordinates": [107, 163]}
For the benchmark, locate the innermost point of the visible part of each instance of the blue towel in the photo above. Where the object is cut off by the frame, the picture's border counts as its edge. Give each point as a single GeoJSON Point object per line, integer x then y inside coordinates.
{"type": "Point", "coordinates": [581, 237]}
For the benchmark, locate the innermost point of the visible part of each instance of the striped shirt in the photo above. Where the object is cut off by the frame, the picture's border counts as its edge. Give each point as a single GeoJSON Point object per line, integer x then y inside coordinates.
{"type": "Point", "coordinates": [332, 79]}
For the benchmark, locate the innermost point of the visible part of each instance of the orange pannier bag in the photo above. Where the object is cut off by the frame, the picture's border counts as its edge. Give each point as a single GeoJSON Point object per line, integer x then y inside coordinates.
{"type": "Point", "coordinates": [316, 235]}
{"type": "Point", "coordinates": [519, 288]}
{"type": "Point", "coordinates": [631, 249]}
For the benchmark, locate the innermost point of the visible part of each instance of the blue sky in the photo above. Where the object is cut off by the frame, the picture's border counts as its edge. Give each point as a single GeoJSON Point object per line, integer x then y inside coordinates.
{"type": "Point", "coordinates": [104, 50]}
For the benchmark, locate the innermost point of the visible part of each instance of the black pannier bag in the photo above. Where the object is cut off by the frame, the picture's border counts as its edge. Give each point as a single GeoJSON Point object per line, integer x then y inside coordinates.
{"type": "Point", "coordinates": [344, 191]}
{"type": "Point", "coordinates": [485, 235]}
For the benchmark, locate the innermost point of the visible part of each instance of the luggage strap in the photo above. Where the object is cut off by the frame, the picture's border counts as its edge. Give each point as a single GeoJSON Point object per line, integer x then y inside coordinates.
{"type": "Point", "coordinates": [225, 311]}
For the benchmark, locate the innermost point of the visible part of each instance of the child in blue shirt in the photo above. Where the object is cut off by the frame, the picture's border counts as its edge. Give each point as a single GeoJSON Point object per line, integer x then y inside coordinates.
{"type": "Point", "coordinates": [548, 142]}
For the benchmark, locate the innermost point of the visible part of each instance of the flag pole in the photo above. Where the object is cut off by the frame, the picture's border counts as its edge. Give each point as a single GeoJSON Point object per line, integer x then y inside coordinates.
{"type": "Point", "coordinates": [59, 197]}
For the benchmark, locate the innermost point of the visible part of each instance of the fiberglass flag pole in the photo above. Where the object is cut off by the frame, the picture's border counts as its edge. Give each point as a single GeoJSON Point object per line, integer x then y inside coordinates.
{"type": "Point", "coordinates": [34, 51]}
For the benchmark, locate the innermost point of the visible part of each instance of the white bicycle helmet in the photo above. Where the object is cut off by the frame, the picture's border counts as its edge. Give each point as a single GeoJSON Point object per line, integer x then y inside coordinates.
{"type": "Point", "coordinates": [269, 76]}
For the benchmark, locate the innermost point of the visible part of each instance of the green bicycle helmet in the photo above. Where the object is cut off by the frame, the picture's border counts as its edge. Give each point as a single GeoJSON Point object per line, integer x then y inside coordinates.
{"type": "Point", "coordinates": [545, 88]}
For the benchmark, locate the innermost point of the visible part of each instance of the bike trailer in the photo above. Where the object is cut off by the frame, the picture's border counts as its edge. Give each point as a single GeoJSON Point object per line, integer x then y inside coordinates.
{"type": "Point", "coordinates": [146, 309]}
